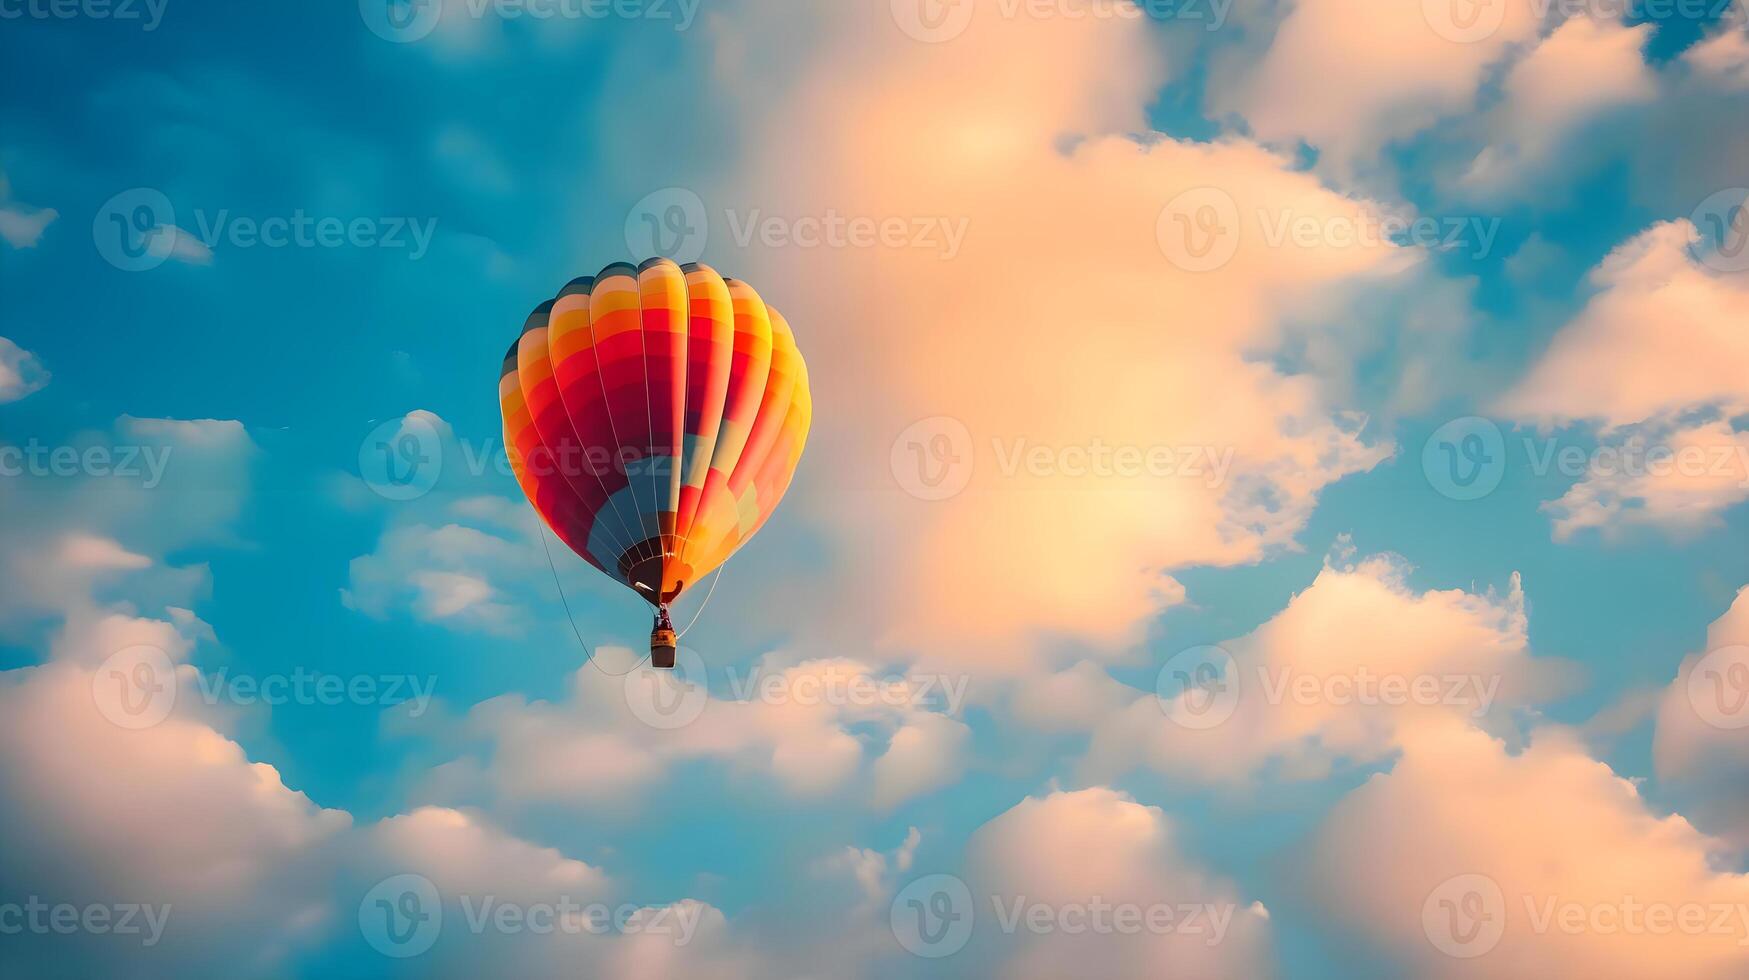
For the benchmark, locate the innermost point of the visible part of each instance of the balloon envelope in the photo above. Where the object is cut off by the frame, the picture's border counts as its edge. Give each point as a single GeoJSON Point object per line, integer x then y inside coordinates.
{"type": "Point", "coordinates": [654, 417]}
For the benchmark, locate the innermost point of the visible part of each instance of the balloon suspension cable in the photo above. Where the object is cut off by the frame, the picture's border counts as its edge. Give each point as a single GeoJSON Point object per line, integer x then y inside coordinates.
{"type": "Point", "coordinates": [588, 654]}
{"type": "Point", "coordinates": [716, 577]}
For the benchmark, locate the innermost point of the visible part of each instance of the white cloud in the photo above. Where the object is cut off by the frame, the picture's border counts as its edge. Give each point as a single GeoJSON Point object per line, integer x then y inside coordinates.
{"type": "Point", "coordinates": [1468, 860]}
{"type": "Point", "coordinates": [21, 226]}
{"type": "Point", "coordinates": [171, 242]}
{"type": "Point", "coordinates": [462, 853]}
{"type": "Point", "coordinates": [172, 813]}
{"type": "Point", "coordinates": [1701, 749]}
{"type": "Point", "coordinates": [1663, 334]}
{"type": "Point", "coordinates": [802, 727]}
{"type": "Point", "coordinates": [1723, 58]}
{"type": "Point", "coordinates": [1071, 851]}
{"type": "Point", "coordinates": [1657, 360]}
{"type": "Point", "coordinates": [1349, 79]}
{"type": "Point", "coordinates": [439, 573]}
{"type": "Point", "coordinates": [1583, 69]}
{"type": "Point", "coordinates": [496, 892]}
{"type": "Point", "coordinates": [1335, 676]}
{"type": "Point", "coordinates": [21, 373]}
{"type": "Point", "coordinates": [1058, 324]}
{"type": "Point", "coordinates": [927, 753]}
{"type": "Point", "coordinates": [102, 505]}
{"type": "Point", "coordinates": [1672, 476]}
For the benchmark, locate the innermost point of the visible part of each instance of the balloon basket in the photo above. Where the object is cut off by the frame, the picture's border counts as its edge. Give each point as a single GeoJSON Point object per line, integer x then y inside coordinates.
{"type": "Point", "coordinates": [662, 645]}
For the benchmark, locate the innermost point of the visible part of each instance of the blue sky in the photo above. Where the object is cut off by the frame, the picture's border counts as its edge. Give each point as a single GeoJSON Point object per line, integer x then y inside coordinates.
{"type": "Point", "coordinates": [1528, 227]}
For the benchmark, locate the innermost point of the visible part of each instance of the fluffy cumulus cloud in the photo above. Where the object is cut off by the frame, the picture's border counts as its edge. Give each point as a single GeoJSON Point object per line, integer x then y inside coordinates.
{"type": "Point", "coordinates": [120, 793]}
{"type": "Point", "coordinates": [1092, 883]}
{"type": "Point", "coordinates": [122, 788]}
{"type": "Point", "coordinates": [815, 730]}
{"type": "Point", "coordinates": [451, 552]}
{"type": "Point", "coordinates": [86, 511]}
{"type": "Point", "coordinates": [21, 373]}
{"type": "Point", "coordinates": [440, 574]}
{"type": "Point", "coordinates": [1658, 362]}
{"type": "Point", "coordinates": [1348, 80]}
{"type": "Point", "coordinates": [497, 903]}
{"type": "Point", "coordinates": [129, 800]}
{"type": "Point", "coordinates": [1472, 860]}
{"type": "Point", "coordinates": [1723, 59]}
{"type": "Point", "coordinates": [140, 803]}
{"type": "Point", "coordinates": [1661, 335]}
{"type": "Point", "coordinates": [1335, 676]}
{"type": "Point", "coordinates": [1701, 751]}
{"type": "Point", "coordinates": [1671, 475]}
{"type": "Point", "coordinates": [1049, 387]}
{"type": "Point", "coordinates": [1582, 70]}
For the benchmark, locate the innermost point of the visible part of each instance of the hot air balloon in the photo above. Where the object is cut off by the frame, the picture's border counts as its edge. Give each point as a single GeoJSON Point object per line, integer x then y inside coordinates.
{"type": "Point", "coordinates": [654, 417]}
